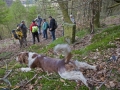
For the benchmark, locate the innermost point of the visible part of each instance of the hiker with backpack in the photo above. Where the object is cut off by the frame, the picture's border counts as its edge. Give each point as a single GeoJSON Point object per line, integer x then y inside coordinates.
{"type": "Point", "coordinates": [52, 27]}
{"type": "Point", "coordinates": [45, 26]}
{"type": "Point", "coordinates": [34, 31]}
{"type": "Point", "coordinates": [39, 21]}
{"type": "Point", "coordinates": [18, 34]}
{"type": "Point", "coordinates": [23, 27]}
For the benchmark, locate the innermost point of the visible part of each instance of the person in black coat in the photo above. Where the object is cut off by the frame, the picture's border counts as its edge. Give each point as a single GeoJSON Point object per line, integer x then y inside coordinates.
{"type": "Point", "coordinates": [52, 27]}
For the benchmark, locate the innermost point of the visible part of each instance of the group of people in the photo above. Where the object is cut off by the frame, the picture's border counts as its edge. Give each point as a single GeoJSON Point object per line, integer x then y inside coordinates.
{"type": "Point", "coordinates": [42, 26]}
{"type": "Point", "coordinates": [39, 26]}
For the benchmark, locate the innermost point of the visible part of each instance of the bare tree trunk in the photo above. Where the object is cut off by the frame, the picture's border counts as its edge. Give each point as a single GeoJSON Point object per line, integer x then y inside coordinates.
{"type": "Point", "coordinates": [95, 19]}
{"type": "Point", "coordinates": [97, 13]}
{"type": "Point", "coordinates": [64, 8]}
{"type": "Point", "coordinates": [0, 37]}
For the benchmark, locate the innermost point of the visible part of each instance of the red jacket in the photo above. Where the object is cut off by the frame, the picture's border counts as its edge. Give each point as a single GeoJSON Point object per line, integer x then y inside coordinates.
{"type": "Point", "coordinates": [33, 24]}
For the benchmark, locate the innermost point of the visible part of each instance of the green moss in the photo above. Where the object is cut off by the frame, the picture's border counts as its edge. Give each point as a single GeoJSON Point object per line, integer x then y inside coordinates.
{"type": "Point", "coordinates": [82, 33]}
{"type": "Point", "coordinates": [69, 32]}
{"type": "Point", "coordinates": [5, 55]}
{"type": "Point", "coordinates": [19, 76]}
{"type": "Point", "coordinates": [51, 45]}
{"type": "Point", "coordinates": [2, 72]}
{"type": "Point", "coordinates": [101, 41]}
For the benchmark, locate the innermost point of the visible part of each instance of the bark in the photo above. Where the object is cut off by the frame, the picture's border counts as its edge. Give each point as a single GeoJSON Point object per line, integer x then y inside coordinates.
{"type": "Point", "coordinates": [97, 19]}
{"type": "Point", "coordinates": [0, 37]}
{"type": "Point", "coordinates": [115, 5]}
{"type": "Point", "coordinates": [96, 13]}
{"type": "Point", "coordinates": [64, 8]}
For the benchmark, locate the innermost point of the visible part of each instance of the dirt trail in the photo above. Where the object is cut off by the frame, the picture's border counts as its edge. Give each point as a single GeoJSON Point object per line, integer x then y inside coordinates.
{"type": "Point", "coordinates": [12, 45]}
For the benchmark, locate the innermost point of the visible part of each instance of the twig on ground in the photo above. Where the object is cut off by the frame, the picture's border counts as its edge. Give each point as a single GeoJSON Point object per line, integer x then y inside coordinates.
{"type": "Point", "coordinates": [101, 84]}
{"type": "Point", "coordinates": [104, 81]}
{"type": "Point", "coordinates": [17, 87]}
{"type": "Point", "coordinates": [7, 74]}
{"type": "Point", "coordinates": [30, 80]}
{"type": "Point", "coordinates": [45, 77]}
{"type": "Point", "coordinates": [7, 81]}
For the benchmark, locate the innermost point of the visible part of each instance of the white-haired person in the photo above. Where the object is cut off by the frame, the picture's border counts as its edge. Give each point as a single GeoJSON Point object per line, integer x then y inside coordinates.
{"type": "Point", "coordinates": [72, 19]}
{"type": "Point", "coordinates": [39, 21]}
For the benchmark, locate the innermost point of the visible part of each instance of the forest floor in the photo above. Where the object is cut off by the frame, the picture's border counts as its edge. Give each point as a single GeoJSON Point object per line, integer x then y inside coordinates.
{"type": "Point", "coordinates": [10, 48]}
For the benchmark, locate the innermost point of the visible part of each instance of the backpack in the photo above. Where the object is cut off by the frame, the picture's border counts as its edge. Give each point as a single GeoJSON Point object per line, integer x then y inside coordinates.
{"type": "Point", "coordinates": [55, 27]}
{"type": "Point", "coordinates": [17, 34]}
{"type": "Point", "coordinates": [14, 34]}
{"type": "Point", "coordinates": [48, 25]}
{"type": "Point", "coordinates": [34, 29]}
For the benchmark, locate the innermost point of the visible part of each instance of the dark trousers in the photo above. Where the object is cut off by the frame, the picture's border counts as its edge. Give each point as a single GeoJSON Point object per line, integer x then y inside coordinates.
{"type": "Point", "coordinates": [45, 34]}
{"type": "Point", "coordinates": [35, 34]}
{"type": "Point", "coordinates": [53, 34]}
{"type": "Point", "coordinates": [23, 42]}
{"type": "Point", "coordinates": [39, 29]}
{"type": "Point", "coordinates": [24, 38]}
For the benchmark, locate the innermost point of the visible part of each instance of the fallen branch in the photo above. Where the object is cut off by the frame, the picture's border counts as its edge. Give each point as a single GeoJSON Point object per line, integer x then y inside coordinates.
{"type": "Point", "coordinates": [7, 74]}
{"type": "Point", "coordinates": [6, 80]}
{"type": "Point", "coordinates": [17, 87]}
{"type": "Point", "coordinates": [114, 5]}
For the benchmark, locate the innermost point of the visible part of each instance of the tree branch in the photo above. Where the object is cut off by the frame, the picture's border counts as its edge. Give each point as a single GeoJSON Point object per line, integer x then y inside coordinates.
{"type": "Point", "coordinates": [115, 5]}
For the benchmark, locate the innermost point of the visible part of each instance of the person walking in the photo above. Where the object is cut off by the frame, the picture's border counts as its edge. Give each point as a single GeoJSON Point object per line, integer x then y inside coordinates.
{"type": "Point", "coordinates": [34, 31]}
{"type": "Point", "coordinates": [39, 21]}
{"type": "Point", "coordinates": [45, 26]}
{"type": "Point", "coordinates": [23, 27]}
{"type": "Point", "coordinates": [52, 27]}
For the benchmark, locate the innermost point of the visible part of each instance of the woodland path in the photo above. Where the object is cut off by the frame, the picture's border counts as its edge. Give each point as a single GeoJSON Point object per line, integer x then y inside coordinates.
{"type": "Point", "coordinates": [11, 44]}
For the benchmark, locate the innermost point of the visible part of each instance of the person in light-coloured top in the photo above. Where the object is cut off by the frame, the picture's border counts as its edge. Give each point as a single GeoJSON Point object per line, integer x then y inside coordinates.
{"type": "Point", "coordinates": [72, 19]}
{"type": "Point", "coordinates": [39, 21]}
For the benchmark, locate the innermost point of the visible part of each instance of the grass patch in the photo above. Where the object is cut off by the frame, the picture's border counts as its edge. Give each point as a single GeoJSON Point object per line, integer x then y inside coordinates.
{"type": "Point", "coordinates": [2, 72]}
{"type": "Point", "coordinates": [5, 55]}
{"type": "Point", "coordinates": [82, 33]}
{"type": "Point", "coordinates": [102, 40]}
{"type": "Point", "coordinates": [19, 76]}
{"type": "Point", "coordinates": [43, 49]}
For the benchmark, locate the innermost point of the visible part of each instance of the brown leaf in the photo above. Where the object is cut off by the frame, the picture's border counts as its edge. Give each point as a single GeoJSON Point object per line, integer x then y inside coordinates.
{"type": "Point", "coordinates": [112, 84]}
{"type": "Point", "coordinates": [107, 85]}
{"type": "Point", "coordinates": [102, 78]}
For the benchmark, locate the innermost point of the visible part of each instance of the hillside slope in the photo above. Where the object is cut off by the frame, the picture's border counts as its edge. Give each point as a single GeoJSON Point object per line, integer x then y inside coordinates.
{"type": "Point", "coordinates": [95, 49]}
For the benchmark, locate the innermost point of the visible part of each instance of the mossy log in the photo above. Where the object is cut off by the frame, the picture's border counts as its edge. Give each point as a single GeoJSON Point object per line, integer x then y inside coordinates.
{"type": "Point", "coordinates": [69, 32]}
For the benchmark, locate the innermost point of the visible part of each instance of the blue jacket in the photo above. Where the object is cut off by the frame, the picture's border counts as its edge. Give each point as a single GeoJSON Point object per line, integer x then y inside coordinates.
{"type": "Point", "coordinates": [45, 26]}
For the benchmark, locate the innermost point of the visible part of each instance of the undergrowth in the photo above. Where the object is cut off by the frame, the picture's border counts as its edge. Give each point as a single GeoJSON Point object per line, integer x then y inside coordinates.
{"type": "Point", "coordinates": [102, 40]}
{"type": "Point", "coordinates": [54, 82]}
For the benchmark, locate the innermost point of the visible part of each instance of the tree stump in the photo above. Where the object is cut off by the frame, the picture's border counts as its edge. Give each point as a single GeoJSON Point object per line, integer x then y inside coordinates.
{"type": "Point", "coordinates": [69, 32]}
